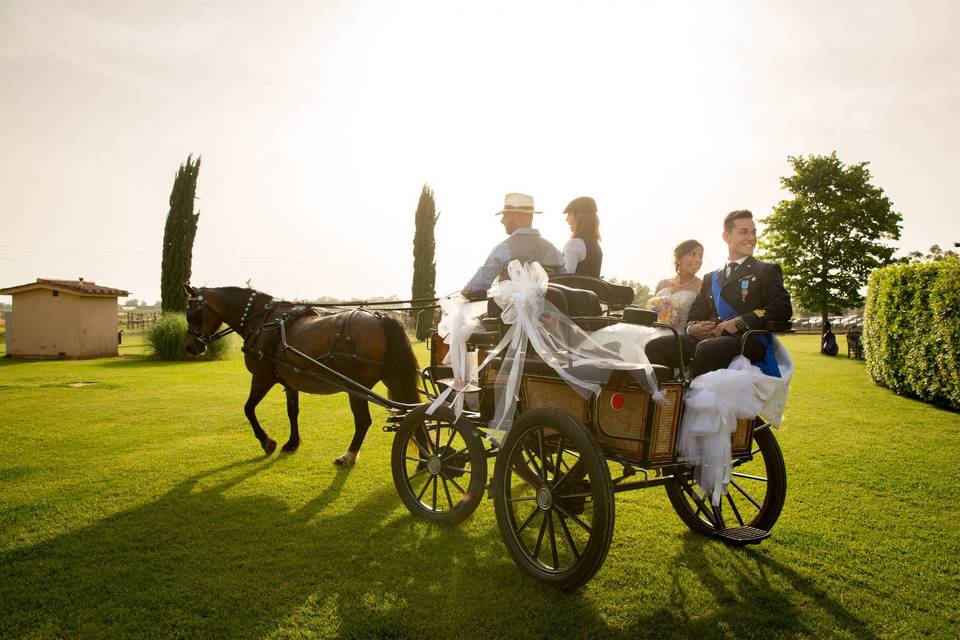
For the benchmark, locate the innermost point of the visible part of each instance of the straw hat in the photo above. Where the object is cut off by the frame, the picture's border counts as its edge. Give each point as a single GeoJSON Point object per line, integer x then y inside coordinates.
{"type": "Point", "coordinates": [517, 202]}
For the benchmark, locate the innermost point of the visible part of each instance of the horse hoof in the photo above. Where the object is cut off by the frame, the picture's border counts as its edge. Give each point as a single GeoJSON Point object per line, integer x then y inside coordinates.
{"type": "Point", "coordinates": [346, 460]}
{"type": "Point", "coordinates": [269, 446]}
{"type": "Point", "coordinates": [291, 446]}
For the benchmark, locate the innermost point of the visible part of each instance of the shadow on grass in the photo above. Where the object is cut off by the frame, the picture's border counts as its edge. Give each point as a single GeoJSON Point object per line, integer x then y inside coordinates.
{"type": "Point", "coordinates": [204, 560]}
{"type": "Point", "coordinates": [762, 598]}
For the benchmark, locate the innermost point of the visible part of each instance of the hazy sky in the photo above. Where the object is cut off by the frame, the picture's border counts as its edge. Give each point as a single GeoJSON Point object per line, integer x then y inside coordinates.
{"type": "Point", "coordinates": [318, 123]}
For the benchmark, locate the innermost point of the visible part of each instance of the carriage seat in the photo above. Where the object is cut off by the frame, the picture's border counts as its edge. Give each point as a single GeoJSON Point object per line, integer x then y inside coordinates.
{"type": "Point", "coordinates": [613, 295]}
{"type": "Point", "coordinates": [534, 366]}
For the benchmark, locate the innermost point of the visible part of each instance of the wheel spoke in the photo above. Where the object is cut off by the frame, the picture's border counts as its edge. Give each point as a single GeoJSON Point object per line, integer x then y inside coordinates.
{"type": "Point", "coordinates": [556, 468]}
{"type": "Point", "coordinates": [528, 520]}
{"type": "Point", "coordinates": [749, 477]}
{"type": "Point", "coordinates": [733, 507]}
{"type": "Point", "coordinates": [437, 426]}
{"type": "Point", "coordinates": [543, 529]}
{"type": "Point", "coordinates": [446, 490]}
{"type": "Point", "coordinates": [701, 506]}
{"type": "Point", "coordinates": [409, 478]}
{"type": "Point", "coordinates": [426, 485]}
{"type": "Point", "coordinates": [435, 481]}
{"type": "Point", "coordinates": [423, 451]}
{"type": "Point", "coordinates": [746, 495]}
{"type": "Point", "coordinates": [531, 460]}
{"type": "Point", "coordinates": [414, 459]}
{"type": "Point", "coordinates": [454, 482]}
{"type": "Point", "coordinates": [453, 432]}
{"type": "Point", "coordinates": [525, 499]}
{"type": "Point", "coordinates": [568, 536]}
{"type": "Point", "coordinates": [426, 434]}
{"type": "Point", "coordinates": [553, 541]}
{"type": "Point", "coordinates": [454, 453]}
{"type": "Point", "coordinates": [556, 486]}
{"type": "Point", "coordinates": [543, 458]}
{"type": "Point", "coordinates": [580, 522]}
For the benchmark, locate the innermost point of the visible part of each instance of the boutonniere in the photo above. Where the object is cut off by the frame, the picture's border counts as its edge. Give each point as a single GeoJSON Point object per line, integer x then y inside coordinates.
{"type": "Point", "coordinates": [744, 287]}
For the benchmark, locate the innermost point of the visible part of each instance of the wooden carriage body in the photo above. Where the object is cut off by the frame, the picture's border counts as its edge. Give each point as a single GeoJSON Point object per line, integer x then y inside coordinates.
{"type": "Point", "coordinates": [624, 419]}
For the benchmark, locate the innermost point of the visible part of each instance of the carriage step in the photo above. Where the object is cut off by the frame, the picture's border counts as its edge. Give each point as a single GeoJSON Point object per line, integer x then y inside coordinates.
{"type": "Point", "coordinates": [740, 536]}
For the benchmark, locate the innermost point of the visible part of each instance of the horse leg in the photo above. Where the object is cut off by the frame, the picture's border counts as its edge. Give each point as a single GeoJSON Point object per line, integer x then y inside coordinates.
{"type": "Point", "coordinates": [259, 389]}
{"type": "Point", "coordinates": [293, 410]}
{"type": "Point", "coordinates": [361, 422]}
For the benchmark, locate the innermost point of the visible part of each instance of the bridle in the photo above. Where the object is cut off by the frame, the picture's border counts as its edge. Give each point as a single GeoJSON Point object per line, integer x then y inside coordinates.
{"type": "Point", "coordinates": [207, 339]}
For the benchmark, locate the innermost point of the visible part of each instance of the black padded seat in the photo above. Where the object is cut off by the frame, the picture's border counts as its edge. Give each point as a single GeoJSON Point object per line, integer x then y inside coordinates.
{"type": "Point", "coordinates": [574, 302]}
{"type": "Point", "coordinates": [611, 294]}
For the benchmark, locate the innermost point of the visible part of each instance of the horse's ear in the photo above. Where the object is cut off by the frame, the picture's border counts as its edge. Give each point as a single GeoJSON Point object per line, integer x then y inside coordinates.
{"type": "Point", "coordinates": [190, 290]}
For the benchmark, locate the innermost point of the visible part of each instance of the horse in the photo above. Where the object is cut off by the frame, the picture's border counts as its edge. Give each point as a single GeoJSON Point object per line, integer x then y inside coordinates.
{"type": "Point", "coordinates": [364, 346]}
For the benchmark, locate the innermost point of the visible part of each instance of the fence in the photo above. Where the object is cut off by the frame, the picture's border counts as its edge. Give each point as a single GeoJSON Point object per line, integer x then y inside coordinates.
{"type": "Point", "coordinates": [141, 319]}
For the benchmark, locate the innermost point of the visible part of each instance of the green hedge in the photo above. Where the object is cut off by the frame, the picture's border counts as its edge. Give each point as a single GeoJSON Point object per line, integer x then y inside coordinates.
{"type": "Point", "coordinates": [911, 331]}
{"type": "Point", "coordinates": [165, 340]}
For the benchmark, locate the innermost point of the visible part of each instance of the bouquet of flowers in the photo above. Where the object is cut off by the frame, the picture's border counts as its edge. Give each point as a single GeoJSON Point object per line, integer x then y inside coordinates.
{"type": "Point", "coordinates": [662, 304]}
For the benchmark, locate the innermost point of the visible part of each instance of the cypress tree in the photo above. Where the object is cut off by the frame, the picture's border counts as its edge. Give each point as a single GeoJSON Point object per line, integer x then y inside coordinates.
{"type": "Point", "coordinates": [178, 234]}
{"type": "Point", "coordinates": [424, 246]}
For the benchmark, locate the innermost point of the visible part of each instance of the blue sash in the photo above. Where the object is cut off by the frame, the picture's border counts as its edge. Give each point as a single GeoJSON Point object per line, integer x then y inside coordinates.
{"type": "Point", "coordinates": [769, 364]}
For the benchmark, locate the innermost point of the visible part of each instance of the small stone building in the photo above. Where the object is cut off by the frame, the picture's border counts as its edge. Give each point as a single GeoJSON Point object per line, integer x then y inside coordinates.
{"type": "Point", "coordinates": [62, 319]}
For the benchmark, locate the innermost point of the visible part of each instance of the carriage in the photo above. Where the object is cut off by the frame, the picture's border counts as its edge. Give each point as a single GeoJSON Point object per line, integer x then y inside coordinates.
{"type": "Point", "coordinates": [564, 457]}
{"type": "Point", "coordinates": [557, 470]}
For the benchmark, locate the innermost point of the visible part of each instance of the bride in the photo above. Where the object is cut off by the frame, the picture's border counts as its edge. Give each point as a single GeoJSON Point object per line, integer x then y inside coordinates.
{"type": "Point", "coordinates": [675, 296]}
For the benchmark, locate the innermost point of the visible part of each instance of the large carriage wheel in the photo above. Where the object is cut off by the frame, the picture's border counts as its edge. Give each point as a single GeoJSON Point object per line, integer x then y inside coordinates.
{"type": "Point", "coordinates": [439, 465]}
{"type": "Point", "coordinates": [554, 498]}
{"type": "Point", "coordinates": [754, 497]}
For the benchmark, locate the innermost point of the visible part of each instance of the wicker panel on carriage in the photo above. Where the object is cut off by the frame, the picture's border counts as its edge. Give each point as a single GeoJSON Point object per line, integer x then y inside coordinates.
{"type": "Point", "coordinates": [622, 420]}
{"type": "Point", "coordinates": [554, 392]}
{"type": "Point", "coordinates": [666, 418]}
{"type": "Point", "coordinates": [742, 438]}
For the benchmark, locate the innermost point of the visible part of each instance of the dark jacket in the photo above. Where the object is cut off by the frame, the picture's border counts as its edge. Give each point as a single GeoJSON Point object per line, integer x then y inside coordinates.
{"type": "Point", "coordinates": [763, 298]}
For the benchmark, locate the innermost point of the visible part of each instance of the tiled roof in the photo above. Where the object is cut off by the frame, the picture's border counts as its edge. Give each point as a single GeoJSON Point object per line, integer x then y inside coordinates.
{"type": "Point", "coordinates": [82, 287]}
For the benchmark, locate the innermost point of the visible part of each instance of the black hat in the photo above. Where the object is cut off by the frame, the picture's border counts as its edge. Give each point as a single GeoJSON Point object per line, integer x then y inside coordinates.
{"type": "Point", "coordinates": [583, 204]}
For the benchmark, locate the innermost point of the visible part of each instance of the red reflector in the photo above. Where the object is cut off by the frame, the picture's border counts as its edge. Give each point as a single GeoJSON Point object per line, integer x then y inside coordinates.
{"type": "Point", "coordinates": [617, 401]}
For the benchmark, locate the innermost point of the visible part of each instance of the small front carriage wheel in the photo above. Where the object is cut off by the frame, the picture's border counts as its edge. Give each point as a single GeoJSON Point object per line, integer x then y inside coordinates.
{"type": "Point", "coordinates": [554, 498]}
{"type": "Point", "coordinates": [439, 465]}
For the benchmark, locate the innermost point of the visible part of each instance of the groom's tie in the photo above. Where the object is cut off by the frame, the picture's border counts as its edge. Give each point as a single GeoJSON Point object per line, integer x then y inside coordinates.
{"type": "Point", "coordinates": [731, 267]}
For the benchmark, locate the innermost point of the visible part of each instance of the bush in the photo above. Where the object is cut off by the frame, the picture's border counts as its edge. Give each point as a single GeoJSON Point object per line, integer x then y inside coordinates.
{"type": "Point", "coordinates": [166, 337]}
{"type": "Point", "coordinates": [911, 332]}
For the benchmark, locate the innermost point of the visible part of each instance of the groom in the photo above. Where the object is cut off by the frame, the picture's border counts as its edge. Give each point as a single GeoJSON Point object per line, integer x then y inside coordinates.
{"type": "Point", "coordinates": [742, 295]}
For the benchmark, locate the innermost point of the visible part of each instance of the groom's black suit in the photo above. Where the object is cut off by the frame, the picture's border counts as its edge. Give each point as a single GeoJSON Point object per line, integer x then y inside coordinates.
{"type": "Point", "coordinates": [756, 293]}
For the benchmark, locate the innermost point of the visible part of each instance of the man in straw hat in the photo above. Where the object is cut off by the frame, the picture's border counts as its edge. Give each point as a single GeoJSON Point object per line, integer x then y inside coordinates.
{"type": "Point", "coordinates": [524, 244]}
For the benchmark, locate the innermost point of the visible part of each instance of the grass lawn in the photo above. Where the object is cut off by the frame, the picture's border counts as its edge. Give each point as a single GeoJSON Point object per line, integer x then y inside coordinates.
{"type": "Point", "coordinates": [141, 506]}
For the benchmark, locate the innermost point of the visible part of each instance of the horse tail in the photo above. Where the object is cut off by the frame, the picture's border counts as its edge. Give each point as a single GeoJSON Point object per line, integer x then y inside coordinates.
{"type": "Point", "coordinates": [400, 363]}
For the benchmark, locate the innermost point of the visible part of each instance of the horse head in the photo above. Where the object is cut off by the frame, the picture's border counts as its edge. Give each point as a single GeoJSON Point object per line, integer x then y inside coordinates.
{"type": "Point", "coordinates": [202, 321]}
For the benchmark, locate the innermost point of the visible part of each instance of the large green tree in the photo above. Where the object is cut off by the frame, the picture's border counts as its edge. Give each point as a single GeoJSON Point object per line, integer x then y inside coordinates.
{"type": "Point", "coordinates": [831, 234]}
{"type": "Point", "coordinates": [424, 248]}
{"type": "Point", "coordinates": [178, 235]}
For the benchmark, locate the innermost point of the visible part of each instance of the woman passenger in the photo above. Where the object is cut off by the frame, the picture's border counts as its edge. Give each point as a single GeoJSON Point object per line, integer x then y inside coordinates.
{"type": "Point", "coordinates": [582, 253]}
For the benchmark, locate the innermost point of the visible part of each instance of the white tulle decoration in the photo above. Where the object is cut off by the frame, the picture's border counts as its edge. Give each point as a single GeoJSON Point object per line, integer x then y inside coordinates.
{"type": "Point", "coordinates": [566, 348]}
{"type": "Point", "coordinates": [712, 406]}
{"type": "Point", "coordinates": [460, 320]}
